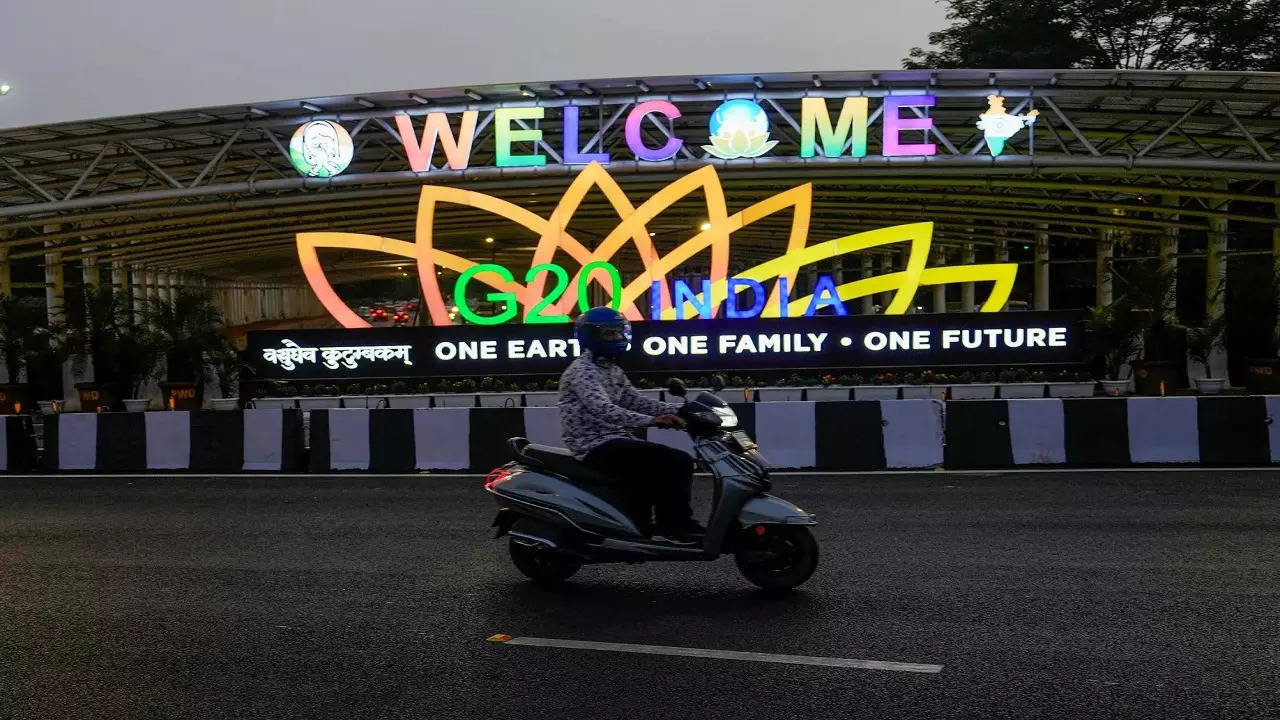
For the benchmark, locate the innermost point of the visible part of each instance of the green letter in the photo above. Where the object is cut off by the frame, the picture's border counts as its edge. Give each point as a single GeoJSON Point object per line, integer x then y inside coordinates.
{"type": "Point", "coordinates": [504, 136]}
{"type": "Point", "coordinates": [460, 295]}
{"type": "Point", "coordinates": [814, 119]}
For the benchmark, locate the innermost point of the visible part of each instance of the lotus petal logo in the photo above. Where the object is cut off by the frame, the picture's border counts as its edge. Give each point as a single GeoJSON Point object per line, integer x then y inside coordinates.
{"type": "Point", "coordinates": [997, 125]}
{"type": "Point", "coordinates": [632, 228]}
{"type": "Point", "coordinates": [320, 148]}
{"type": "Point", "coordinates": [739, 128]}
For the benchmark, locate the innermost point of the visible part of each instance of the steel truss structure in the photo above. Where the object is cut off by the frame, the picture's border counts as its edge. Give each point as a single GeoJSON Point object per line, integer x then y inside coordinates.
{"type": "Point", "coordinates": [212, 192]}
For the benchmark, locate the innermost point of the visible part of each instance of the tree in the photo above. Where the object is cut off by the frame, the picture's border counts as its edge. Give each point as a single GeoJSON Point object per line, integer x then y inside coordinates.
{"type": "Point", "coordinates": [19, 324]}
{"type": "Point", "coordinates": [188, 330]}
{"type": "Point", "coordinates": [1133, 35]}
{"type": "Point", "coordinates": [122, 352]}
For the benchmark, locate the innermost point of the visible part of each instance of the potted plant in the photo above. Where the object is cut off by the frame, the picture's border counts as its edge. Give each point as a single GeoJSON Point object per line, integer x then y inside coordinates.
{"type": "Point", "coordinates": [123, 354]}
{"type": "Point", "coordinates": [404, 396]}
{"type": "Point", "coordinates": [1019, 384]}
{"type": "Point", "coordinates": [1201, 342]}
{"type": "Point", "coordinates": [923, 386]}
{"type": "Point", "coordinates": [21, 326]}
{"type": "Point", "coordinates": [965, 386]}
{"type": "Point", "coordinates": [189, 330]}
{"type": "Point", "coordinates": [1113, 335]}
{"type": "Point", "coordinates": [538, 395]}
{"type": "Point", "coordinates": [1070, 383]}
{"type": "Point", "coordinates": [1256, 326]}
{"type": "Point", "coordinates": [1148, 291]}
{"type": "Point", "coordinates": [828, 389]}
{"type": "Point", "coordinates": [227, 366]}
{"type": "Point", "coordinates": [789, 388]}
{"type": "Point", "coordinates": [497, 393]}
{"type": "Point", "coordinates": [456, 394]}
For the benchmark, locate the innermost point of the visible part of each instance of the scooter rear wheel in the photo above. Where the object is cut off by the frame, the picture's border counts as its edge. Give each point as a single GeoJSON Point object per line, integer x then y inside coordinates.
{"type": "Point", "coordinates": [780, 559]}
{"type": "Point", "coordinates": [545, 567]}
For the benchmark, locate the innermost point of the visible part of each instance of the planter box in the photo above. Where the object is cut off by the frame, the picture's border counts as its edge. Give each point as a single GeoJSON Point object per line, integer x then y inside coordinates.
{"type": "Point", "coordinates": [502, 399]}
{"type": "Point", "coordinates": [779, 394]}
{"type": "Point", "coordinates": [923, 392]}
{"type": "Point", "coordinates": [820, 394]}
{"type": "Point", "coordinates": [1072, 389]}
{"type": "Point", "coordinates": [225, 403]}
{"type": "Point", "coordinates": [270, 403]}
{"type": "Point", "coordinates": [1262, 375]}
{"type": "Point", "coordinates": [180, 395]}
{"type": "Point", "coordinates": [876, 392]}
{"type": "Point", "coordinates": [1114, 387]}
{"type": "Point", "coordinates": [1149, 375]}
{"type": "Point", "coordinates": [406, 402]}
{"type": "Point", "coordinates": [1209, 386]}
{"type": "Point", "coordinates": [1021, 390]}
{"type": "Point", "coordinates": [353, 401]}
{"type": "Point", "coordinates": [319, 403]}
{"type": "Point", "coordinates": [973, 391]}
{"type": "Point", "coordinates": [542, 398]}
{"type": "Point", "coordinates": [15, 397]}
{"type": "Point", "coordinates": [454, 399]}
{"type": "Point", "coordinates": [136, 404]}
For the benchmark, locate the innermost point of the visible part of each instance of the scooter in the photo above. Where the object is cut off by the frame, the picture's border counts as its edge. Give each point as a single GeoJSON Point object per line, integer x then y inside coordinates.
{"type": "Point", "coordinates": [560, 514]}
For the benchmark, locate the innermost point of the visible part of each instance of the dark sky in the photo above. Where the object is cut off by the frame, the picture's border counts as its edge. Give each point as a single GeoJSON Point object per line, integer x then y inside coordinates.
{"type": "Point", "coordinates": [80, 59]}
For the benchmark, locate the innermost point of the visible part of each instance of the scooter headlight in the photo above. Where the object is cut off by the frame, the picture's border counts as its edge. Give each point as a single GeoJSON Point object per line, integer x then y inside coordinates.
{"type": "Point", "coordinates": [728, 418]}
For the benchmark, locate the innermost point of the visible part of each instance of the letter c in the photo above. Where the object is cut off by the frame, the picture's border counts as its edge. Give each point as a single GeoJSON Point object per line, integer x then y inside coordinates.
{"type": "Point", "coordinates": [643, 152]}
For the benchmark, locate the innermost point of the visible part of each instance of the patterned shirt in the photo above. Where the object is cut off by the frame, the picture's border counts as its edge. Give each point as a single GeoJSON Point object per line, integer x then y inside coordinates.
{"type": "Point", "coordinates": [598, 404]}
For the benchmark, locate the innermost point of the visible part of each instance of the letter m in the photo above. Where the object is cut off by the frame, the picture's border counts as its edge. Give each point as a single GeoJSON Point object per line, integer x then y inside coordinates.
{"type": "Point", "coordinates": [815, 120]}
{"type": "Point", "coordinates": [456, 151]}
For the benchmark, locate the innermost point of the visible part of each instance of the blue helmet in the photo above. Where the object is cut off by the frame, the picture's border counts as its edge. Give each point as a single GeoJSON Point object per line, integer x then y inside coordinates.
{"type": "Point", "coordinates": [604, 331]}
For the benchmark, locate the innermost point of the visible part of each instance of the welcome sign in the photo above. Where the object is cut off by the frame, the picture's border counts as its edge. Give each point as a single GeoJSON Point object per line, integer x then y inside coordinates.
{"type": "Point", "coordinates": [826, 342]}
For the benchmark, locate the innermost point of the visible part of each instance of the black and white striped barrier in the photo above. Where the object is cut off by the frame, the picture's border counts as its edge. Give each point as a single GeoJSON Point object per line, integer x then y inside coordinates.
{"type": "Point", "coordinates": [1113, 432]}
{"type": "Point", "coordinates": [208, 441]}
{"type": "Point", "coordinates": [826, 435]}
{"type": "Point", "coordinates": [17, 445]}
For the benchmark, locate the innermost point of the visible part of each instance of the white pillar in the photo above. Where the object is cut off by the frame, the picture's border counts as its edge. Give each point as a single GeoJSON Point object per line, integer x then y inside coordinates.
{"type": "Point", "coordinates": [968, 298]}
{"type": "Point", "coordinates": [1215, 281]}
{"type": "Point", "coordinates": [1040, 293]}
{"type": "Point", "coordinates": [137, 284]}
{"type": "Point", "coordinates": [55, 288]}
{"type": "Point", "coordinates": [939, 291]}
{"type": "Point", "coordinates": [1002, 254]}
{"type": "Point", "coordinates": [869, 301]}
{"type": "Point", "coordinates": [1102, 268]}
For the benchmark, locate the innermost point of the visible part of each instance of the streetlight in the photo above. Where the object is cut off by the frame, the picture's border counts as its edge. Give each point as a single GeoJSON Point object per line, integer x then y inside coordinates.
{"type": "Point", "coordinates": [5, 88]}
{"type": "Point", "coordinates": [489, 240]}
{"type": "Point", "coordinates": [705, 226]}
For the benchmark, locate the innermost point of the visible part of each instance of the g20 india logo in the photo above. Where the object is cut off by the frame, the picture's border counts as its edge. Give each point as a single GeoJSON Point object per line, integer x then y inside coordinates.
{"type": "Point", "coordinates": [743, 295]}
{"type": "Point", "coordinates": [320, 148]}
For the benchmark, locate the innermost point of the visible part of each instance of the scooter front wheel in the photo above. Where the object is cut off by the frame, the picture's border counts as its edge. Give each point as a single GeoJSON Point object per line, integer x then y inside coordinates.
{"type": "Point", "coordinates": [545, 567]}
{"type": "Point", "coordinates": [780, 558]}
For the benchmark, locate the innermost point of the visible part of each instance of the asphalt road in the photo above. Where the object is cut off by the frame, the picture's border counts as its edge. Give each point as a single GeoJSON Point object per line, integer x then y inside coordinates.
{"type": "Point", "coordinates": [1099, 595]}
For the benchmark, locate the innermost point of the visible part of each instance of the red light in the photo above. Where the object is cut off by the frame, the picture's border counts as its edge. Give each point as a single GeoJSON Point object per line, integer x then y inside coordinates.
{"type": "Point", "coordinates": [494, 476]}
{"type": "Point", "coordinates": [759, 530]}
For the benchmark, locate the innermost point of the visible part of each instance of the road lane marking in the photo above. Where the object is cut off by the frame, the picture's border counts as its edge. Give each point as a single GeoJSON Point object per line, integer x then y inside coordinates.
{"type": "Point", "coordinates": [720, 654]}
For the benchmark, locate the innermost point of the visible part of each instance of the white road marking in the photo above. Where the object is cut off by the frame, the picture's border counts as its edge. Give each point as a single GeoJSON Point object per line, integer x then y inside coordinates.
{"type": "Point", "coordinates": [727, 655]}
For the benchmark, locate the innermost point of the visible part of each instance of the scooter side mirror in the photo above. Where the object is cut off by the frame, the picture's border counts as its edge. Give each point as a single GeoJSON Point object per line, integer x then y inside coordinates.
{"type": "Point", "coordinates": [717, 383]}
{"type": "Point", "coordinates": [675, 387]}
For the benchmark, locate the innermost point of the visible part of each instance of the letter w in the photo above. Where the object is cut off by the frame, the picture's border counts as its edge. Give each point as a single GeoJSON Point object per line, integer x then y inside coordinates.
{"type": "Point", "coordinates": [458, 152]}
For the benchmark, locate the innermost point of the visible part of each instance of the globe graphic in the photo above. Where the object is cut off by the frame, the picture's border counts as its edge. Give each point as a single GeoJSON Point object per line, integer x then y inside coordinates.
{"type": "Point", "coordinates": [735, 115]}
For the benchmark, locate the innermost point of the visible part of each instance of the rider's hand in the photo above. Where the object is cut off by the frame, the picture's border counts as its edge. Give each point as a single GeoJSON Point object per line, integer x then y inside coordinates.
{"type": "Point", "coordinates": [670, 420]}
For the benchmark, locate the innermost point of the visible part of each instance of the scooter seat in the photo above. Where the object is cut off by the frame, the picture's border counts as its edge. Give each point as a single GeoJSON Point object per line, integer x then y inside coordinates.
{"type": "Point", "coordinates": [562, 462]}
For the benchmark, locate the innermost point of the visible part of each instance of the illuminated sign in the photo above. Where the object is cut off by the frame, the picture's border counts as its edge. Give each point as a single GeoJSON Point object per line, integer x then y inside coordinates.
{"type": "Point", "coordinates": [997, 125]}
{"type": "Point", "coordinates": [530, 299]}
{"type": "Point", "coordinates": [827, 342]}
{"type": "Point", "coordinates": [320, 148]}
{"type": "Point", "coordinates": [738, 128]}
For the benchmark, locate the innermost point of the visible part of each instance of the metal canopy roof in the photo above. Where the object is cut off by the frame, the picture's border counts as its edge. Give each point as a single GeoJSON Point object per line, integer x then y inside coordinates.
{"type": "Point", "coordinates": [212, 191]}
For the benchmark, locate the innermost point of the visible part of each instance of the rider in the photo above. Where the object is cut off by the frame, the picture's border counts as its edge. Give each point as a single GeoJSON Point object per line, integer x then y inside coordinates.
{"type": "Point", "coordinates": [603, 419]}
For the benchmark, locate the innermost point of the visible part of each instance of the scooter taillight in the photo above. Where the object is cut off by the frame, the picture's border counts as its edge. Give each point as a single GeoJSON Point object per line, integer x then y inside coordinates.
{"type": "Point", "coordinates": [494, 476]}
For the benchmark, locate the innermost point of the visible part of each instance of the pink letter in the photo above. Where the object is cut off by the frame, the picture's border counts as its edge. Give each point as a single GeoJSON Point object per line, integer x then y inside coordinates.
{"type": "Point", "coordinates": [893, 124]}
{"type": "Point", "coordinates": [458, 152]}
{"type": "Point", "coordinates": [643, 152]}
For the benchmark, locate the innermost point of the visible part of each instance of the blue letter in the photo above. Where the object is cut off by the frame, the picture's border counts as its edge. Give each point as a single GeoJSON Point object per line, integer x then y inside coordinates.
{"type": "Point", "coordinates": [655, 300]}
{"type": "Point", "coordinates": [685, 294]}
{"type": "Point", "coordinates": [824, 294]}
{"type": "Point", "coordinates": [731, 303]}
{"type": "Point", "coordinates": [571, 154]}
{"type": "Point", "coordinates": [783, 300]}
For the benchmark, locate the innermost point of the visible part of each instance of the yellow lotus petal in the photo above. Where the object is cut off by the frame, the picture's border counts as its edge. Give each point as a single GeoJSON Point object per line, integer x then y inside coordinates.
{"type": "Point", "coordinates": [714, 152]}
{"type": "Point", "coordinates": [739, 142]}
{"type": "Point", "coordinates": [724, 145]}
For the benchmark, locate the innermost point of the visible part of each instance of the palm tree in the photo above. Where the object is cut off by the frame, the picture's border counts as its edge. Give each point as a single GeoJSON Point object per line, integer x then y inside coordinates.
{"type": "Point", "coordinates": [19, 322]}
{"type": "Point", "coordinates": [189, 330]}
{"type": "Point", "coordinates": [122, 352]}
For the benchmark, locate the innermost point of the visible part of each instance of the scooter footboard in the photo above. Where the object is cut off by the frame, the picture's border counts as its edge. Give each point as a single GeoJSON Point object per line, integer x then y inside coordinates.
{"type": "Point", "coordinates": [770, 510]}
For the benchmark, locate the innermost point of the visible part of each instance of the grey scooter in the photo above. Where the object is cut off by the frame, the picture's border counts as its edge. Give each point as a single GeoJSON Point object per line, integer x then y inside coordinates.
{"type": "Point", "coordinates": [560, 514]}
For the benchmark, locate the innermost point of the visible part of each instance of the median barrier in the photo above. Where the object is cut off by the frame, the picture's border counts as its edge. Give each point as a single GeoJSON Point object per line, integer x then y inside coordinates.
{"type": "Point", "coordinates": [17, 444]}
{"type": "Point", "coordinates": [197, 441]}
{"type": "Point", "coordinates": [1113, 432]}
{"type": "Point", "coordinates": [861, 435]}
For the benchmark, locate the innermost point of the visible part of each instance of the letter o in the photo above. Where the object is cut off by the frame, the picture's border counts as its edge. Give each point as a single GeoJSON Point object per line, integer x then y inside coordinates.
{"type": "Point", "coordinates": [875, 341]}
{"type": "Point", "coordinates": [654, 345]}
{"type": "Point", "coordinates": [446, 351]}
